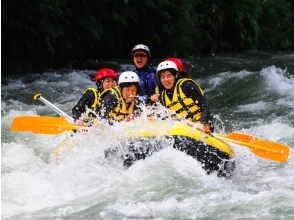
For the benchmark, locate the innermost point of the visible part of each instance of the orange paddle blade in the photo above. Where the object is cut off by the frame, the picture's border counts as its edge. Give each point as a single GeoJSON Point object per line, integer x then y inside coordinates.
{"type": "Point", "coordinates": [42, 124]}
{"type": "Point", "coordinates": [262, 148]}
{"type": "Point", "coordinates": [241, 137]}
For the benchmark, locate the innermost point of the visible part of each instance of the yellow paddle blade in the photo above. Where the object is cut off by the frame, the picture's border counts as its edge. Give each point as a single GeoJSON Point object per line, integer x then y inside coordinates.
{"type": "Point", "coordinates": [42, 124]}
{"type": "Point", "coordinates": [262, 148]}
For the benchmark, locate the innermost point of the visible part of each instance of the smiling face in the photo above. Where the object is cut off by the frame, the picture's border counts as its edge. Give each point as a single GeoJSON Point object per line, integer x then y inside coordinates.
{"type": "Point", "coordinates": [108, 82]}
{"type": "Point", "coordinates": [167, 79]}
{"type": "Point", "coordinates": [129, 93]}
{"type": "Point", "coordinates": [140, 59]}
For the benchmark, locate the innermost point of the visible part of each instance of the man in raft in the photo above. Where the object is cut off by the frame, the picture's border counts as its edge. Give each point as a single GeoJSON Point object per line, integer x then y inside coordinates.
{"type": "Point", "coordinates": [121, 102]}
{"type": "Point", "coordinates": [184, 97]}
{"type": "Point", "coordinates": [149, 83]}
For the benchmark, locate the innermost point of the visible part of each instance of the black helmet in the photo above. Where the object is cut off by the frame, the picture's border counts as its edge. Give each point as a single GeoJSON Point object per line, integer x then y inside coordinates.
{"type": "Point", "coordinates": [141, 48]}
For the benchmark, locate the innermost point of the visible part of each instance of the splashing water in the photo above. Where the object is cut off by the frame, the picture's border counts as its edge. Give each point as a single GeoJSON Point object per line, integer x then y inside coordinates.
{"type": "Point", "coordinates": [81, 183]}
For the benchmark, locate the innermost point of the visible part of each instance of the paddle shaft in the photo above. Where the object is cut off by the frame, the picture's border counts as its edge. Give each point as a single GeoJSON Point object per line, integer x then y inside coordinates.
{"type": "Point", "coordinates": [59, 111]}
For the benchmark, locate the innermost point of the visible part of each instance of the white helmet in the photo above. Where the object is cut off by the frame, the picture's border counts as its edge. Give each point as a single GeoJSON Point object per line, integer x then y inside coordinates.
{"type": "Point", "coordinates": [141, 47]}
{"type": "Point", "coordinates": [128, 77]}
{"type": "Point", "coordinates": [167, 65]}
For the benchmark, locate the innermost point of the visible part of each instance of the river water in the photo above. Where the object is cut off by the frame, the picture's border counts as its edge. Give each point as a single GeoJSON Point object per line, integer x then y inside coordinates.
{"type": "Point", "coordinates": [251, 93]}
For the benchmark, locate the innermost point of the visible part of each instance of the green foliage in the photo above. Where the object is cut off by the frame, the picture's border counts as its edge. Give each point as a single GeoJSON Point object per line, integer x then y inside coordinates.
{"type": "Point", "coordinates": [166, 24]}
{"type": "Point", "coordinates": [52, 33]}
{"type": "Point", "coordinates": [31, 30]}
{"type": "Point", "coordinates": [227, 26]}
{"type": "Point", "coordinates": [277, 31]}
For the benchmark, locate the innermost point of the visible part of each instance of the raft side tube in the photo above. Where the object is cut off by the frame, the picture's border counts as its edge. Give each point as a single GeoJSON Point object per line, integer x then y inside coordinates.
{"type": "Point", "coordinates": [180, 129]}
{"type": "Point", "coordinates": [211, 158]}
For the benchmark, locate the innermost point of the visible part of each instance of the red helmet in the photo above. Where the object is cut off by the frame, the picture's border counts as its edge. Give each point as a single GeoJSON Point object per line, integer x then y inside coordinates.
{"type": "Point", "coordinates": [101, 74]}
{"type": "Point", "coordinates": [178, 62]}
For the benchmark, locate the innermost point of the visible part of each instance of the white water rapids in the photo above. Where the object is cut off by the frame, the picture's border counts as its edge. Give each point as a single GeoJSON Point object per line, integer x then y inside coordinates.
{"type": "Point", "coordinates": [82, 184]}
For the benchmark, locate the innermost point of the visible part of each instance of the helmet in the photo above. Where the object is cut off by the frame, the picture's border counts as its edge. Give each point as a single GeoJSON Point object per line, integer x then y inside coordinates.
{"type": "Point", "coordinates": [167, 65]}
{"type": "Point", "coordinates": [178, 62]}
{"type": "Point", "coordinates": [128, 77]}
{"type": "Point", "coordinates": [101, 74]}
{"type": "Point", "coordinates": [142, 48]}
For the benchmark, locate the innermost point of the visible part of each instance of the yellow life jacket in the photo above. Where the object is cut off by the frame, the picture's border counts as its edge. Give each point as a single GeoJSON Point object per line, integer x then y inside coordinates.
{"type": "Point", "coordinates": [91, 110]}
{"type": "Point", "coordinates": [120, 112]}
{"type": "Point", "coordinates": [96, 94]}
{"type": "Point", "coordinates": [184, 107]}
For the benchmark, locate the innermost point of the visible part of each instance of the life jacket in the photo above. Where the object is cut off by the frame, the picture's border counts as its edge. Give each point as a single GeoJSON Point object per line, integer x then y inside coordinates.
{"type": "Point", "coordinates": [92, 110]}
{"type": "Point", "coordinates": [120, 112]}
{"type": "Point", "coordinates": [149, 83]}
{"type": "Point", "coordinates": [183, 106]}
{"type": "Point", "coordinates": [96, 95]}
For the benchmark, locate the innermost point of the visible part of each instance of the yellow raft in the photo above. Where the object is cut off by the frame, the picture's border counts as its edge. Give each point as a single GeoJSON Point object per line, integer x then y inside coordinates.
{"type": "Point", "coordinates": [213, 154]}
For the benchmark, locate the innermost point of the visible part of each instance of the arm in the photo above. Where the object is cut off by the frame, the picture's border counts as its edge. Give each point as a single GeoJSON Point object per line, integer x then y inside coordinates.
{"type": "Point", "coordinates": [153, 85]}
{"type": "Point", "coordinates": [86, 100]}
{"type": "Point", "coordinates": [150, 100]}
{"type": "Point", "coordinates": [192, 91]}
{"type": "Point", "coordinates": [108, 103]}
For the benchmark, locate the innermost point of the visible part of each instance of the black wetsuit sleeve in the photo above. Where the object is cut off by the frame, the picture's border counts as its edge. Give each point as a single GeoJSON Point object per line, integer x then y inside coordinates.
{"type": "Point", "coordinates": [108, 103]}
{"type": "Point", "coordinates": [87, 99]}
{"type": "Point", "coordinates": [192, 91]}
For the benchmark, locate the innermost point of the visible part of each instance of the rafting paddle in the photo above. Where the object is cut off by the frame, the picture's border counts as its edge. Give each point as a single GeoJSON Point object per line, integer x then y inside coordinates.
{"type": "Point", "coordinates": [57, 125]}
{"type": "Point", "coordinates": [262, 148]}
{"type": "Point", "coordinates": [42, 125]}
{"type": "Point", "coordinates": [59, 111]}
{"type": "Point", "coordinates": [45, 124]}
{"type": "Point", "coordinates": [54, 125]}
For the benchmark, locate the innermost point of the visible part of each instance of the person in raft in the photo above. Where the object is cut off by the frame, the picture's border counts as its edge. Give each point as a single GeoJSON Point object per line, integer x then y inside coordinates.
{"type": "Point", "coordinates": [105, 79]}
{"type": "Point", "coordinates": [184, 96]}
{"type": "Point", "coordinates": [121, 103]}
{"type": "Point", "coordinates": [149, 83]}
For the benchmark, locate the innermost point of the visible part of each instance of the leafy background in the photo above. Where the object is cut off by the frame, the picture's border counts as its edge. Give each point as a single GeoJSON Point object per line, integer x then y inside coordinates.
{"type": "Point", "coordinates": [43, 34]}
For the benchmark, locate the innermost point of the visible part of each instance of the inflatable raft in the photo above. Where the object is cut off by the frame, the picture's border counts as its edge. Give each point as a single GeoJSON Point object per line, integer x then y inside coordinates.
{"type": "Point", "coordinates": [141, 140]}
{"type": "Point", "coordinates": [213, 154]}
